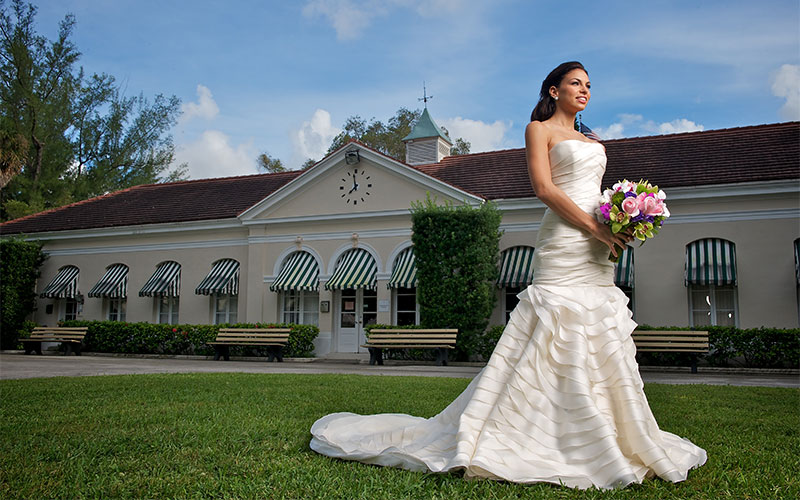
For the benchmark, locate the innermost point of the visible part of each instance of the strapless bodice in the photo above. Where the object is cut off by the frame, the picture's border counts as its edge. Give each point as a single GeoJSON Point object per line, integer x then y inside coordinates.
{"type": "Point", "coordinates": [577, 168]}
{"type": "Point", "coordinates": [566, 255]}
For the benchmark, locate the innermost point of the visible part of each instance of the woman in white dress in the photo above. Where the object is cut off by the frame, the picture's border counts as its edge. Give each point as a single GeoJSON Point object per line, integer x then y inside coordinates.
{"type": "Point", "coordinates": [560, 399]}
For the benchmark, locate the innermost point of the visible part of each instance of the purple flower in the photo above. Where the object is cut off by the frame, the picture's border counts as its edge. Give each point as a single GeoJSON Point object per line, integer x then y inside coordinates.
{"type": "Point", "coordinates": [606, 209]}
{"type": "Point", "coordinates": [630, 194]}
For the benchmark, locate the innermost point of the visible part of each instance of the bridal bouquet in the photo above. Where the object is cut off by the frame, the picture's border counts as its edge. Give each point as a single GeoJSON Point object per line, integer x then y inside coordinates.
{"type": "Point", "coordinates": [636, 205]}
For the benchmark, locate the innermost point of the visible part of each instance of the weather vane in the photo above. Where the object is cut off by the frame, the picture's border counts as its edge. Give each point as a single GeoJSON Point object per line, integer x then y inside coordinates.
{"type": "Point", "coordinates": [425, 97]}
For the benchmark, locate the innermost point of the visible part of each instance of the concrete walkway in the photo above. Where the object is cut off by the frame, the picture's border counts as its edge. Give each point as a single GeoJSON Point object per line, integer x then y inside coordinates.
{"type": "Point", "coordinates": [18, 366]}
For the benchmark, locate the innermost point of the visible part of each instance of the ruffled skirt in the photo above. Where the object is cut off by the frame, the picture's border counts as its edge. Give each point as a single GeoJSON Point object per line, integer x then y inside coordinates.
{"type": "Point", "coordinates": [560, 401]}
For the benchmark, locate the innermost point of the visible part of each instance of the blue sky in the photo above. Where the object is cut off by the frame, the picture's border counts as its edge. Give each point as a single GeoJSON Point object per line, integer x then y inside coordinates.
{"type": "Point", "coordinates": [283, 76]}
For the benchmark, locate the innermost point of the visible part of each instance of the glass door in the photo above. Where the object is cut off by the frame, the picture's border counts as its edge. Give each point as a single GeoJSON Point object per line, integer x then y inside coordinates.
{"type": "Point", "coordinates": [357, 308]}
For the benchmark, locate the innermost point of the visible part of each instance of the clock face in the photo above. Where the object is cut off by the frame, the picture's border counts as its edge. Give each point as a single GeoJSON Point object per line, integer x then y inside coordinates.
{"type": "Point", "coordinates": [355, 186]}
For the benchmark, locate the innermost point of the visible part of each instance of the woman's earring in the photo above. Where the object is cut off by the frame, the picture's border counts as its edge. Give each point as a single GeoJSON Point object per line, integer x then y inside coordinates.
{"type": "Point", "coordinates": [555, 98]}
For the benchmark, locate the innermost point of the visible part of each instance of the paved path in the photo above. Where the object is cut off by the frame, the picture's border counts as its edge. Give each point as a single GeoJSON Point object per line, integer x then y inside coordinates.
{"type": "Point", "coordinates": [18, 366]}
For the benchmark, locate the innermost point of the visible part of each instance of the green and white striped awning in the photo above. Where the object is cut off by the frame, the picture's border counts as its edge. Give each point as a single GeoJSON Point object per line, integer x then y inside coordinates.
{"type": "Point", "coordinates": [404, 274]}
{"type": "Point", "coordinates": [64, 285]}
{"type": "Point", "coordinates": [113, 284]}
{"type": "Point", "coordinates": [516, 268]}
{"type": "Point", "coordinates": [165, 282]}
{"type": "Point", "coordinates": [623, 270]}
{"type": "Point", "coordinates": [797, 260]}
{"type": "Point", "coordinates": [222, 280]}
{"type": "Point", "coordinates": [710, 261]}
{"type": "Point", "coordinates": [356, 269]}
{"type": "Point", "coordinates": [300, 272]}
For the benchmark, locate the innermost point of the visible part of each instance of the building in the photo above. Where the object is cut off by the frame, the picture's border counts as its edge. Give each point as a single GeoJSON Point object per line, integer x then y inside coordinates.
{"type": "Point", "coordinates": [331, 245]}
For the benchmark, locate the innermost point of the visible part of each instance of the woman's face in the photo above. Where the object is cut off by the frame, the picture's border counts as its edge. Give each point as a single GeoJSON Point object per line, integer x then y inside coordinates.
{"type": "Point", "coordinates": [574, 91]}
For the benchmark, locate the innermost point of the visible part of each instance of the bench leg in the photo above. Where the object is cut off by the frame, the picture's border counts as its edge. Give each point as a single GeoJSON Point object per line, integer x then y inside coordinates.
{"type": "Point", "coordinates": [67, 348]}
{"type": "Point", "coordinates": [375, 355]}
{"type": "Point", "coordinates": [694, 364]}
{"type": "Point", "coordinates": [275, 352]}
{"type": "Point", "coordinates": [33, 347]}
{"type": "Point", "coordinates": [441, 356]}
{"type": "Point", "coordinates": [222, 351]}
{"type": "Point", "coordinates": [77, 349]}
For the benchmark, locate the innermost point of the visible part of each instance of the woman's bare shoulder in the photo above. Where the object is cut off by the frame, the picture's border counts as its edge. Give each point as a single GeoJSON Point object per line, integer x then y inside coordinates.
{"type": "Point", "coordinates": [538, 130]}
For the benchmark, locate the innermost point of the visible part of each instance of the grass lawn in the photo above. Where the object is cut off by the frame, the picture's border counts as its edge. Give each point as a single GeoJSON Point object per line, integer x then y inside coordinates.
{"type": "Point", "coordinates": [246, 436]}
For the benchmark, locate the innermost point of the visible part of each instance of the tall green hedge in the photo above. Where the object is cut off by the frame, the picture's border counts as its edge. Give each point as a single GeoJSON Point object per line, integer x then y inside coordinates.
{"type": "Point", "coordinates": [20, 261]}
{"type": "Point", "coordinates": [456, 250]}
{"type": "Point", "coordinates": [149, 338]}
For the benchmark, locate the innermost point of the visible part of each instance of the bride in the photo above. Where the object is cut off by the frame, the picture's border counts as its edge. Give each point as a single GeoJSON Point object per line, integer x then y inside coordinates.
{"type": "Point", "coordinates": [561, 399]}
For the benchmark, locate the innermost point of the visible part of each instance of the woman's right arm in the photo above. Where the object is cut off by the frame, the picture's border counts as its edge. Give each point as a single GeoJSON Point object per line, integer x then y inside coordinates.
{"type": "Point", "coordinates": [537, 139]}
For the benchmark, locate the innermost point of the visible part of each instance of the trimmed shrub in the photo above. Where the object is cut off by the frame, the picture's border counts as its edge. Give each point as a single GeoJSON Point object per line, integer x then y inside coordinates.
{"type": "Point", "coordinates": [149, 338]}
{"type": "Point", "coordinates": [20, 261]}
{"type": "Point", "coordinates": [456, 250]}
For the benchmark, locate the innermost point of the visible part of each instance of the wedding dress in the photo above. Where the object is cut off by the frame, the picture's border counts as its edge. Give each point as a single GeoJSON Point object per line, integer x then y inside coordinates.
{"type": "Point", "coordinates": [560, 399]}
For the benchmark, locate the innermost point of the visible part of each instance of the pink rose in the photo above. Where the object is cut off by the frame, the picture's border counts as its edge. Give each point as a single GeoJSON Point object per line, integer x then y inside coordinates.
{"type": "Point", "coordinates": [649, 205]}
{"type": "Point", "coordinates": [630, 206]}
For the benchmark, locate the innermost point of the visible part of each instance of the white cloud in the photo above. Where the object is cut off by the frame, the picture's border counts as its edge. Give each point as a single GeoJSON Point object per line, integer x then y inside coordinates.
{"type": "Point", "coordinates": [351, 17]}
{"type": "Point", "coordinates": [314, 136]}
{"type": "Point", "coordinates": [786, 84]}
{"type": "Point", "coordinates": [205, 107]}
{"type": "Point", "coordinates": [633, 125]}
{"type": "Point", "coordinates": [212, 155]}
{"type": "Point", "coordinates": [677, 126]}
{"type": "Point", "coordinates": [481, 136]}
{"type": "Point", "coordinates": [348, 18]}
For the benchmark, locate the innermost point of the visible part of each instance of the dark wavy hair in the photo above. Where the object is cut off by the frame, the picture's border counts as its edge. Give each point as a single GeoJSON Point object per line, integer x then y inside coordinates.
{"type": "Point", "coordinates": [547, 105]}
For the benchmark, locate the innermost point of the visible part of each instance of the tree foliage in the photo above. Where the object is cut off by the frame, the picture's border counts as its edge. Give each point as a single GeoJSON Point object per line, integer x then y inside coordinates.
{"type": "Point", "coordinates": [456, 250]}
{"type": "Point", "coordinates": [268, 164]}
{"type": "Point", "coordinates": [72, 136]}
{"type": "Point", "coordinates": [19, 269]}
{"type": "Point", "coordinates": [386, 137]}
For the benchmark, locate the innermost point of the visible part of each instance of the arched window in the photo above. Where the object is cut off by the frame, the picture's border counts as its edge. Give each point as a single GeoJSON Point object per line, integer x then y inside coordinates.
{"type": "Point", "coordinates": [165, 287]}
{"type": "Point", "coordinates": [64, 288]}
{"type": "Point", "coordinates": [516, 273]}
{"type": "Point", "coordinates": [403, 283]}
{"type": "Point", "coordinates": [113, 289]}
{"type": "Point", "coordinates": [710, 276]}
{"type": "Point", "coordinates": [222, 284]}
{"type": "Point", "coordinates": [623, 275]}
{"type": "Point", "coordinates": [298, 286]}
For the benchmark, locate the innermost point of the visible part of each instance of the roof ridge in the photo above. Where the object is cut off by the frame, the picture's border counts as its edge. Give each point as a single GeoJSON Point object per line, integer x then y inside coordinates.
{"type": "Point", "coordinates": [69, 205]}
{"type": "Point", "coordinates": [710, 131]}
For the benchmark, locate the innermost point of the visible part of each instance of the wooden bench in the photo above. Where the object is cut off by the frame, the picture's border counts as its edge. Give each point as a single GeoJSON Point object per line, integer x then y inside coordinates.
{"type": "Point", "coordinates": [274, 339]}
{"type": "Point", "coordinates": [672, 341]}
{"type": "Point", "coordinates": [401, 338]}
{"type": "Point", "coordinates": [70, 337]}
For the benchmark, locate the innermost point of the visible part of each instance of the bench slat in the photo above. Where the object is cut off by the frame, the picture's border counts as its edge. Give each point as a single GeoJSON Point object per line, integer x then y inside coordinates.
{"type": "Point", "coordinates": [413, 330]}
{"type": "Point", "coordinates": [673, 339]}
{"type": "Point", "coordinates": [255, 330]}
{"type": "Point", "coordinates": [673, 344]}
{"type": "Point", "coordinates": [412, 336]}
{"type": "Point", "coordinates": [409, 346]}
{"type": "Point", "coordinates": [410, 341]}
{"type": "Point", "coordinates": [671, 350]}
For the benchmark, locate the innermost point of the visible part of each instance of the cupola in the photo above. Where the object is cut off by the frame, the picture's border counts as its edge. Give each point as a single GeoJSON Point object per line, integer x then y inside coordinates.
{"type": "Point", "coordinates": [426, 143]}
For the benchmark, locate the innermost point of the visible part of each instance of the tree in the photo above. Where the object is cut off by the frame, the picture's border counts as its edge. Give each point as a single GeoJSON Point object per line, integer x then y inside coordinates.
{"type": "Point", "coordinates": [19, 269]}
{"type": "Point", "coordinates": [461, 147]}
{"type": "Point", "coordinates": [310, 162]}
{"type": "Point", "coordinates": [456, 250]}
{"type": "Point", "coordinates": [74, 136]}
{"type": "Point", "coordinates": [386, 138]}
{"type": "Point", "coordinates": [269, 164]}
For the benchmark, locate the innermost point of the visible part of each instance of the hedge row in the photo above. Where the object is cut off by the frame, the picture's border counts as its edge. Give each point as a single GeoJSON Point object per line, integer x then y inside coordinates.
{"type": "Point", "coordinates": [148, 338]}
{"type": "Point", "coordinates": [728, 346]}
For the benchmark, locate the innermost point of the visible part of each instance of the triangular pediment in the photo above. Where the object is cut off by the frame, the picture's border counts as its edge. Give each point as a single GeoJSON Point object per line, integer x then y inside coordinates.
{"type": "Point", "coordinates": [348, 185]}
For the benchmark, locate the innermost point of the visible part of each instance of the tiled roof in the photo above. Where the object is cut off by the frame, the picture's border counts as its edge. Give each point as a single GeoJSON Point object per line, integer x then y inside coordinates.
{"type": "Point", "coordinates": [205, 199]}
{"type": "Point", "coordinates": [745, 154]}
